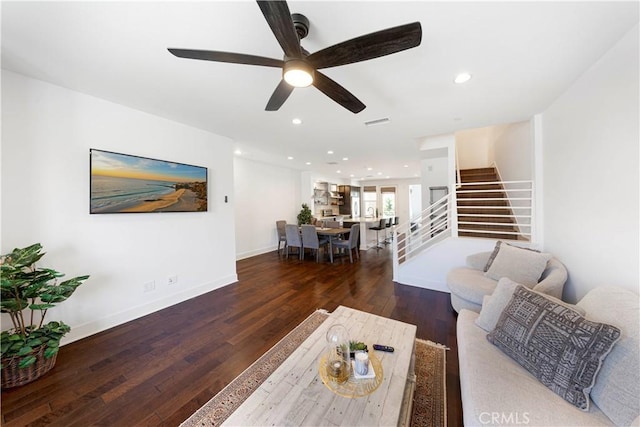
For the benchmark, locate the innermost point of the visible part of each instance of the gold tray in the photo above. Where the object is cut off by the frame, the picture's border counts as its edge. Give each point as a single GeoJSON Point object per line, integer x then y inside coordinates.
{"type": "Point", "coordinates": [353, 387]}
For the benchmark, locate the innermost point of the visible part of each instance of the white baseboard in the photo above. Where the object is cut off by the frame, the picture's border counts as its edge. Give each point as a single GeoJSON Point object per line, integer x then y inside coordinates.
{"type": "Point", "coordinates": [93, 327]}
{"type": "Point", "coordinates": [255, 252]}
{"type": "Point", "coordinates": [421, 282]}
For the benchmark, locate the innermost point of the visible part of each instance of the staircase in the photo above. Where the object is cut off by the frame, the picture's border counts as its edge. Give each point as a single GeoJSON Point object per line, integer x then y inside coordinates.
{"type": "Point", "coordinates": [483, 206]}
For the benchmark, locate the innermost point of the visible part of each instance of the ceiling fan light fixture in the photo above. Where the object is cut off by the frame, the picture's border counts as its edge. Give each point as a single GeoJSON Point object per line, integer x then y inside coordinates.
{"type": "Point", "coordinates": [298, 73]}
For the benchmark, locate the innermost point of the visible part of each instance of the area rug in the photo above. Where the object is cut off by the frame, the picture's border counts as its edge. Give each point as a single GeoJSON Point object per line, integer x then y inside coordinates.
{"type": "Point", "coordinates": [429, 402]}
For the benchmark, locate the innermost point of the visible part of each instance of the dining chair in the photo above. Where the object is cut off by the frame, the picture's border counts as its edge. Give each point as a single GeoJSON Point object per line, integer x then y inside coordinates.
{"type": "Point", "coordinates": [332, 224]}
{"type": "Point", "coordinates": [351, 243]}
{"type": "Point", "coordinates": [382, 226]}
{"type": "Point", "coordinates": [293, 239]}
{"type": "Point", "coordinates": [282, 234]}
{"type": "Point", "coordinates": [310, 240]}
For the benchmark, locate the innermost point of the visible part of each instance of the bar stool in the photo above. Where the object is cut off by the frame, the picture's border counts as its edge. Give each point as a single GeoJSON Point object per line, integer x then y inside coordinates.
{"type": "Point", "coordinates": [387, 240]}
{"type": "Point", "coordinates": [382, 226]}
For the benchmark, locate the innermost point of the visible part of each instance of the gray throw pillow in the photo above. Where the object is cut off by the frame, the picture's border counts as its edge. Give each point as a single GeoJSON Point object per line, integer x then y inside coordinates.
{"type": "Point", "coordinates": [562, 349]}
{"type": "Point", "coordinates": [493, 256]}
{"type": "Point", "coordinates": [520, 265]}
{"type": "Point", "coordinates": [493, 305]}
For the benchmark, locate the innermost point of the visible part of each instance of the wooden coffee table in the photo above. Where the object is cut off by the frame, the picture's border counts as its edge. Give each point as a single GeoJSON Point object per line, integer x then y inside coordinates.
{"type": "Point", "coordinates": [295, 394]}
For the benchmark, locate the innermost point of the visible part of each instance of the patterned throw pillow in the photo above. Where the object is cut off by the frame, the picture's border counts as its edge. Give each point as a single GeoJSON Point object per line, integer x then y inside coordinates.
{"type": "Point", "coordinates": [562, 349]}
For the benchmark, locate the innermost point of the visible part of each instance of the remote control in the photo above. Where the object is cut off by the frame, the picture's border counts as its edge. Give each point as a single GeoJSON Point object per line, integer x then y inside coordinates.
{"type": "Point", "coordinates": [383, 348]}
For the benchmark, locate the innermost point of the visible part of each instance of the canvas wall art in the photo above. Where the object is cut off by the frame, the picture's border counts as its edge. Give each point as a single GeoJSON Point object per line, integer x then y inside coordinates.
{"type": "Point", "coordinates": [122, 183]}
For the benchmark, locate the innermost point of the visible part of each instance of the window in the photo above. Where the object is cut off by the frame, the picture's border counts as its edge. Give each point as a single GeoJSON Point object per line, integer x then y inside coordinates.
{"type": "Point", "coordinates": [388, 201]}
{"type": "Point", "coordinates": [370, 200]}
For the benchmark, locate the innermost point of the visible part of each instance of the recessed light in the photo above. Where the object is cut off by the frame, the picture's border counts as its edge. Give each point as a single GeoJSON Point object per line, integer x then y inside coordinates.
{"type": "Point", "coordinates": [379, 173]}
{"type": "Point", "coordinates": [406, 166]}
{"type": "Point", "coordinates": [296, 121]}
{"type": "Point", "coordinates": [330, 152]}
{"type": "Point", "coordinates": [289, 158]}
{"type": "Point", "coordinates": [338, 171]}
{"type": "Point", "coordinates": [388, 177]}
{"type": "Point", "coordinates": [352, 175]}
{"type": "Point", "coordinates": [462, 78]}
{"type": "Point", "coordinates": [345, 158]}
{"type": "Point", "coordinates": [369, 169]}
{"type": "Point", "coordinates": [307, 163]}
{"type": "Point", "coordinates": [238, 152]}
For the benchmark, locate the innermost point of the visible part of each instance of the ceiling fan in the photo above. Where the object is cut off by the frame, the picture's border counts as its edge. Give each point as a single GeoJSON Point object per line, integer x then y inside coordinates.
{"type": "Point", "coordinates": [299, 68]}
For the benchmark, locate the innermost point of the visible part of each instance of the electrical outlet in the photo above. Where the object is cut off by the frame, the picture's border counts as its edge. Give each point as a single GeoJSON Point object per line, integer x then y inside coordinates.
{"type": "Point", "coordinates": [149, 286]}
{"type": "Point", "coordinates": [172, 280]}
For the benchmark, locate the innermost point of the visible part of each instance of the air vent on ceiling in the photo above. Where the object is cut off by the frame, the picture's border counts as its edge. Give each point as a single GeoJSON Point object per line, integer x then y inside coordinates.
{"type": "Point", "coordinates": [377, 121]}
{"type": "Point", "coordinates": [332, 163]}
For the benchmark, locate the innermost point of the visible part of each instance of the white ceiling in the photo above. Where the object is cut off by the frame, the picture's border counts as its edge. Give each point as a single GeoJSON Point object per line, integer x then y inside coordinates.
{"type": "Point", "coordinates": [522, 56]}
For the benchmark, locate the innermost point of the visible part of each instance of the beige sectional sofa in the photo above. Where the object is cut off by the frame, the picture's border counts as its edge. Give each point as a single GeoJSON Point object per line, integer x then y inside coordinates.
{"type": "Point", "coordinates": [469, 284]}
{"type": "Point", "coordinates": [497, 390]}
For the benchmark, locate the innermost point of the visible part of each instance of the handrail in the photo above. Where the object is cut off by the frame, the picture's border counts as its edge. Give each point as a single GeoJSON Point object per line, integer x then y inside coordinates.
{"type": "Point", "coordinates": [505, 217]}
{"type": "Point", "coordinates": [422, 231]}
{"type": "Point", "coordinates": [458, 177]}
{"type": "Point", "coordinates": [514, 198]}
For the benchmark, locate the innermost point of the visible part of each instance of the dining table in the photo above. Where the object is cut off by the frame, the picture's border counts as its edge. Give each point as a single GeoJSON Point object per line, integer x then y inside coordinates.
{"type": "Point", "coordinates": [332, 233]}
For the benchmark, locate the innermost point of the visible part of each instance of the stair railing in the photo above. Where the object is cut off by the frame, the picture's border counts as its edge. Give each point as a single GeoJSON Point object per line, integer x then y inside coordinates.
{"type": "Point", "coordinates": [431, 226]}
{"type": "Point", "coordinates": [514, 197]}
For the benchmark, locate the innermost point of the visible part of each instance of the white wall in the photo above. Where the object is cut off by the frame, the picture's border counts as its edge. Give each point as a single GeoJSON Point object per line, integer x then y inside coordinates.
{"type": "Point", "coordinates": [429, 269]}
{"type": "Point", "coordinates": [47, 132]}
{"type": "Point", "coordinates": [513, 151]}
{"type": "Point", "coordinates": [263, 195]}
{"type": "Point", "coordinates": [474, 148]}
{"type": "Point", "coordinates": [590, 151]}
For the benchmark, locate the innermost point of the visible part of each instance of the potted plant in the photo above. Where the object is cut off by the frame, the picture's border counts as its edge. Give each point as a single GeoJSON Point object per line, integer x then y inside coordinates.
{"type": "Point", "coordinates": [305, 215]}
{"type": "Point", "coordinates": [30, 348]}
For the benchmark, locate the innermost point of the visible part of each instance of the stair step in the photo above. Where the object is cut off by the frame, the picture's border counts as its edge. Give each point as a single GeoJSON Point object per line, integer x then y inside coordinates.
{"type": "Point", "coordinates": [479, 187]}
{"type": "Point", "coordinates": [502, 220]}
{"type": "Point", "coordinates": [462, 210]}
{"type": "Point", "coordinates": [487, 195]}
{"type": "Point", "coordinates": [462, 202]}
{"type": "Point", "coordinates": [488, 235]}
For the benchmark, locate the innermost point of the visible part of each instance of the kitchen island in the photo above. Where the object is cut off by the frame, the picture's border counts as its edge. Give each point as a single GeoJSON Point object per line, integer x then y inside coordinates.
{"type": "Point", "coordinates": [367, 237]}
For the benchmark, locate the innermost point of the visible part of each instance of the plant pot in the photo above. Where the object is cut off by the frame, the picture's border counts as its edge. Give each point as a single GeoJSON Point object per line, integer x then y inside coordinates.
{"type": "Point", "coordinates": [13, 376]}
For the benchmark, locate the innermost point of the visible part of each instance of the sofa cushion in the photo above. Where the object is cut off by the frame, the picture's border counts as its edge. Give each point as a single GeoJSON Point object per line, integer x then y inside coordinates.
{"type": "Point", "coordinates": [493, 385]}
{"type": "Point", "coordinates": [618, 384]}
{"type": "Point", "coordinates": [562, 349]}
{"type": "Point", "coordinates": [470, 284]}
{"type": "Point", "coordinates": [478, 261]}
{"type": "Point", "coordinates": [520, 265]}
{"type": "Point", "coordinates": [493, 305]}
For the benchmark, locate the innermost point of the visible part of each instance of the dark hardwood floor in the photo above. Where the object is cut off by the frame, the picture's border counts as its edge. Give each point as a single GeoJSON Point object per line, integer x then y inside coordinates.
{"type": "Point", "coordinates": [157, 370]}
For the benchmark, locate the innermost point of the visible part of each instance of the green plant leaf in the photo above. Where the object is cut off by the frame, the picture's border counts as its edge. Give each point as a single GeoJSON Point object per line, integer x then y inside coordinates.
{"type": "Point", "coordinates": [50, 352]}
{"type": "Point", "coordinates": [34, 342]}
{"type": "Point", "coordinates": [24, 350]}
{"type": "Point", "coordinates": [27, 361]}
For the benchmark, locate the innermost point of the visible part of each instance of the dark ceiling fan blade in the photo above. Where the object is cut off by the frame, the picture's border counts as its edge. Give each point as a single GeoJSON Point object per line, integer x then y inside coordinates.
{"type": "Point", "coordinates": [279, 19]}
{"type": "Point", "coordinates": [336, 92]}
{"type": "Point", "coordinates": [279, 95]}
{"type": "Point", "coordinates": [369, 46]}
{"type": "Point", "coordinates": [234, 58]}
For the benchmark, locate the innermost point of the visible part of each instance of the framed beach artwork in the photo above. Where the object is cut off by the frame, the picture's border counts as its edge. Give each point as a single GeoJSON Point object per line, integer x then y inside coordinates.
{"type": "Point", "coordinates": [122, 183]}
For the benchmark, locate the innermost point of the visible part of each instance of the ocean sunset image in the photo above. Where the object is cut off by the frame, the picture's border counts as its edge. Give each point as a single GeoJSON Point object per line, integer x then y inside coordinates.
{"type": "Point", "coordinates": [122, 183]}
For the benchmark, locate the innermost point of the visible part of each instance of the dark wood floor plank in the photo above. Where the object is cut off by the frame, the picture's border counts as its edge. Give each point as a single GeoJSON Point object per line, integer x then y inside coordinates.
{"type": "Point", "coordinates": [159, 369]}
